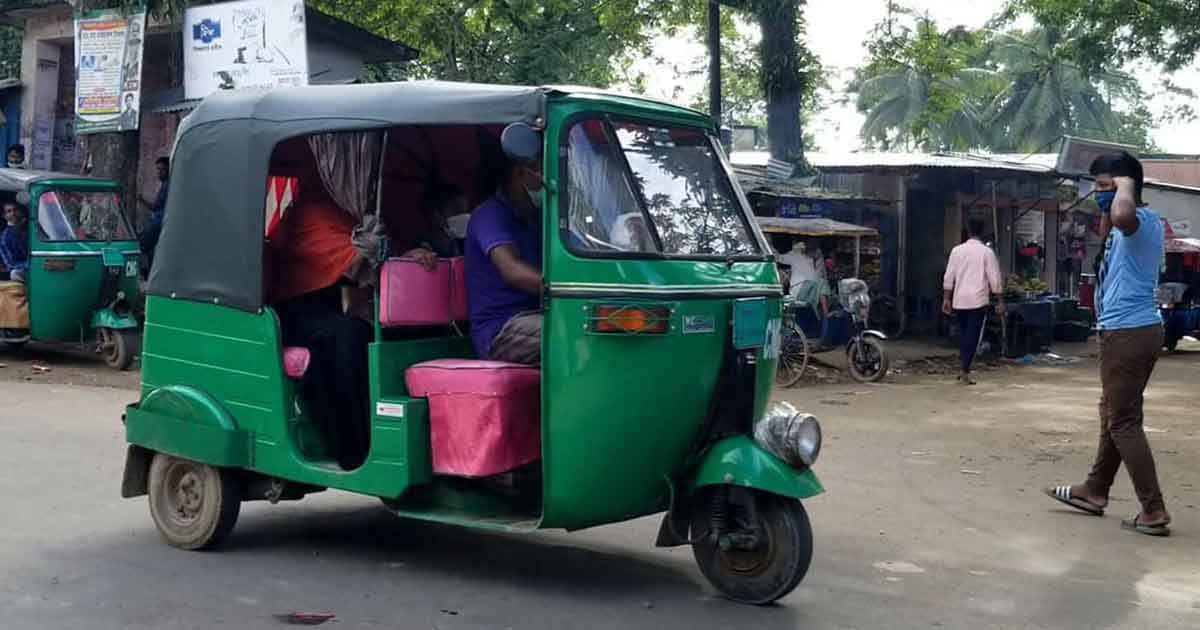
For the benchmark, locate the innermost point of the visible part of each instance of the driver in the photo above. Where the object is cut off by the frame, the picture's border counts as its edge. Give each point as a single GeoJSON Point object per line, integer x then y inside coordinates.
{"type": "Point", "coordinates": [504, 257]}
{"type": "Point", "coordinates": [14, 241]}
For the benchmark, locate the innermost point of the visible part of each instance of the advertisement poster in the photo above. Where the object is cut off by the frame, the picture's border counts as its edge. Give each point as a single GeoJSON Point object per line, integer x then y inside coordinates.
{"type": "Point", "coordinates": [108, 62]}
{"type": "Point", "coordinates": [250, 44]}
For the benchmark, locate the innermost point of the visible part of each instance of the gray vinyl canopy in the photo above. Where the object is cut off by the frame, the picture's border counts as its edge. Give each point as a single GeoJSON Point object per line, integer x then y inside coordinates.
{"type": "Point", "coordinates": [211, 244]}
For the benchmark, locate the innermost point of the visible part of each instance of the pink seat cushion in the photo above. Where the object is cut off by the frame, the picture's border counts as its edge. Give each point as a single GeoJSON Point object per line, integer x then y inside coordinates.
{"type": "Point", "coordinates": [411, 295]}
{"type": "Point", "coordinates": [295, 362]}
{"type": "Point", "coordinates": [484, 416]}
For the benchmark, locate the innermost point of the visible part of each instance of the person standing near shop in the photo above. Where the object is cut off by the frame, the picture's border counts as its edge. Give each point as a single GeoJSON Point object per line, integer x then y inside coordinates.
{"type": "Point", "coordinates": [1131, 338]}
{"type": "Point", "coordinates": [158, 209]}
{"type": "Point", "coordinates": [972, 276]}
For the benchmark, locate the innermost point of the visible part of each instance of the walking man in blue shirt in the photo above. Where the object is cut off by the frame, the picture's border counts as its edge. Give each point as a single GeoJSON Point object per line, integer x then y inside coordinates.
{"type": "Point", "coordinates": [1131, 338]}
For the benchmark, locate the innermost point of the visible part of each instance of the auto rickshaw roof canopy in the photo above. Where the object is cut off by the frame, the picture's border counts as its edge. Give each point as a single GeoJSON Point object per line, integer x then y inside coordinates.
{"type": "Point", "coordinates": [812, 226]}
{"type": "Point", "coordinates": [210, 249]}
{"type": "Point", "coordinates": [19, 179]}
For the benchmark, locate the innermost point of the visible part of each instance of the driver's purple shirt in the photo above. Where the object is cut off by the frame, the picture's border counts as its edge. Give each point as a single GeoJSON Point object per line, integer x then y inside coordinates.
{"type": "Point", "coordinates": [492, 301]}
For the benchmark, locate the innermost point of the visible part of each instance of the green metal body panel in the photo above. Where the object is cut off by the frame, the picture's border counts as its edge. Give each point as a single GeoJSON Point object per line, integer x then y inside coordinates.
{"type": "Point", "coordinates": [65, 278]}
{"type": "Point", "coordinates": [739, 461]}
{"type": "Point", "coordinates": [620, 413]}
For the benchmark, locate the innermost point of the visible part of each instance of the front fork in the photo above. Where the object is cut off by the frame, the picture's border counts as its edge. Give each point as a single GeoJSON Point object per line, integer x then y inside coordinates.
{"type": "Point", "coordinates": [733, 518]}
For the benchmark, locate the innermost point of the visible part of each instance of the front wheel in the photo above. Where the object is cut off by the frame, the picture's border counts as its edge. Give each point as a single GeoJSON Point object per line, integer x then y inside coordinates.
{"type": "Point", "coordinates": [754, 562]}
{"type": "Point", "coordinates": [119, 347]}
{"type": "Point", "coordinates": [193, 505]}
{"type": "Point", "coordinates": [867, 360]}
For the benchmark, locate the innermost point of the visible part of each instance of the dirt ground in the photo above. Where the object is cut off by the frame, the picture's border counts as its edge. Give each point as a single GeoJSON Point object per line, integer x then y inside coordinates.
{"type": "Point", "coordinates": [68, 364]}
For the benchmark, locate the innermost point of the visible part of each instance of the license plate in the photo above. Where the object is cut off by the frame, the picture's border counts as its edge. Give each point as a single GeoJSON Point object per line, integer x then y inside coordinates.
{"type": "Point", "coordinates": [749, 323]}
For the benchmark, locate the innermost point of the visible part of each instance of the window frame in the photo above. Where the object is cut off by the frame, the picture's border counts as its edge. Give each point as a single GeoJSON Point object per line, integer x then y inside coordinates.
{"type": "Point", "coordinates": [607, 119]}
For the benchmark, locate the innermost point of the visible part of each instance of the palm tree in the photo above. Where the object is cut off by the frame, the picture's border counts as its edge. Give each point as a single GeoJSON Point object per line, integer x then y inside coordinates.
{"type": "Point", "coordinates": [1049, 97]}
{"type": "Point", "coordinates": [911, 107]}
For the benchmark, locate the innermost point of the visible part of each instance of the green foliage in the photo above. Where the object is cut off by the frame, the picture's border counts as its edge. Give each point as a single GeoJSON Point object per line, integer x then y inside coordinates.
{"type": "Point", "coordinates": [958, 90]}
{"type": "Point", "coordinates": [509, 41]}
{"type": "Point", "coordinates": [1108, 33]}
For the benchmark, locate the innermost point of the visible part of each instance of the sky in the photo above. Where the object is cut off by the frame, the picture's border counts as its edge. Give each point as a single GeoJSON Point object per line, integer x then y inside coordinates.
{"type": "Point", "coordinates": [836, 31]}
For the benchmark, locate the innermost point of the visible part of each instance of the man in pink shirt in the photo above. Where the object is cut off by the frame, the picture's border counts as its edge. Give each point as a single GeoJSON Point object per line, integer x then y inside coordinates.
{"type": "Point", "coordinates": [972, 277]}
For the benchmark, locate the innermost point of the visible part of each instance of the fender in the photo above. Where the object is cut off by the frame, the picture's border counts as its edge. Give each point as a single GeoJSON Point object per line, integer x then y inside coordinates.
{"type": "Point", "coordinates": [739, 461]}
{"type": "Point", "coordinates": [736, 461]}
{"type": "Point", "coordinates": [186, 422]}
{"type": "Point", "coordinates": [108, 318]}
{"type": "Point", "coordinates": [876, 334]}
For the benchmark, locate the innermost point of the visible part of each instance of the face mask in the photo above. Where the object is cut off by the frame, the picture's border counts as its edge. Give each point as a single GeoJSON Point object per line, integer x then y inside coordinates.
{"type": "Point", "coordinates": [1104, 199]}
{"type": "Point", "coordinates": [535, 196]}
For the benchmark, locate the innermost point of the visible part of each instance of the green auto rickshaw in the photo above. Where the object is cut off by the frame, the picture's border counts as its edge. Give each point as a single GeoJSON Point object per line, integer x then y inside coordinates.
{"type": "Point", "coordinates": [82, 279]}
{"type": "Point", "coordinates": [661, 308]}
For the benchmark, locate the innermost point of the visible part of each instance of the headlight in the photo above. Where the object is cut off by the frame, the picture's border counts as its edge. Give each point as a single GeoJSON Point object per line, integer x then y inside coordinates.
{"type": "Point", "coordinates": [789, 435]}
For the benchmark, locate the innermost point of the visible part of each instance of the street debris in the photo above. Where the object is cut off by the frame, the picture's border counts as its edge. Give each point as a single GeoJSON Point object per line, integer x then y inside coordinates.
{"type": "Point", "coordinates": [967, 471]}
{"type": "Point", "coordinates": [305, 618]}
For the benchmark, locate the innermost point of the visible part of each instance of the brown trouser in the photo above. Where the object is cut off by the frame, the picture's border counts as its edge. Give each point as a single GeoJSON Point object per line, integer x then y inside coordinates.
{"type": "Point", "coordinates": [1127, 358]}
{"type": "Point", "coordinates": [520, 340]}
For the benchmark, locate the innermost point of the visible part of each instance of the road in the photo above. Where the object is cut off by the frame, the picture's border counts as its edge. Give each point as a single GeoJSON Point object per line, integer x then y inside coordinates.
{"type": "Point", "coordinates": [932, 519]}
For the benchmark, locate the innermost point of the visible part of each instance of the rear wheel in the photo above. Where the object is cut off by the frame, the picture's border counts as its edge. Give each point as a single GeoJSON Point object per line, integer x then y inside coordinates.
{"type": "Point", "coordinates": [193, 505]}
{"type": "Point", "coordinates": [764, 553]}
{"type": "Point", "coordinates": [868, 363]}
{"type": "Point", "coordinates": [793, 355]}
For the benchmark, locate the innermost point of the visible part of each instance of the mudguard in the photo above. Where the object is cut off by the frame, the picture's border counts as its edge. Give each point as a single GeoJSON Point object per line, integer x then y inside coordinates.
{"type": "Point", "coordinates": [739, 461]}
{"type": "Point", "coordinates": [108, 318]}
{"type": "Point", "coordinates": [186, 422]}
{"type": "Point", "coordinates": [876, 334]}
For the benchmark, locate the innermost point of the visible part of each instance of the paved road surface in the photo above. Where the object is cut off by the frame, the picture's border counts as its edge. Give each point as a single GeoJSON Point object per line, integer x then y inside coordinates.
{"type": "Point", "coordinates": [932, 520]}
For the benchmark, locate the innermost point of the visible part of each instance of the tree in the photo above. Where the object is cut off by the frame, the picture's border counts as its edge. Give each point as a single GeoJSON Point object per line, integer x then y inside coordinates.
{"type": "Point", "coordinates": [509, 41]}
{"type": "Point", "coordinates": [1048, 97]}
{"type": "Point", "coordinates": [1109, 33]}
{"type": "Point", "coordinates": [924, 88]}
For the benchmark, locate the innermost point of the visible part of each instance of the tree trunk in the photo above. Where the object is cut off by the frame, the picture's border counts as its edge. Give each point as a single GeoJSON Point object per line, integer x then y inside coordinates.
{"type": "Point", "coordinates": [781, 78]}
{"type": "Point", "coordinates": [114, 156]}
{"type": "Point", "coordinates": [714, 63]}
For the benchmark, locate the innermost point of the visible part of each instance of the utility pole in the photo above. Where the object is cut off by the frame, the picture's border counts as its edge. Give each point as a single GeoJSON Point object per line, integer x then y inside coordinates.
{"type": "Point", "coordinates": [714, 62]}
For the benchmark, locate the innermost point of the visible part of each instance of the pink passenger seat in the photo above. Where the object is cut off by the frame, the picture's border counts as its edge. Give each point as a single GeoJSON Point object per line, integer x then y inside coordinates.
{"type": "Point", "coordinates": [484, 416]}
{"type": "Point", "coordinates": [411, 295]}
{"type": "Point", "coordinates": [295, 362]}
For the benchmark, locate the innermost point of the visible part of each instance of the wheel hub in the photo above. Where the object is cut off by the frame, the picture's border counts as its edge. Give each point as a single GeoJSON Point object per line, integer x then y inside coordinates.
{"type": "Point", "coordinates": [186, 496]}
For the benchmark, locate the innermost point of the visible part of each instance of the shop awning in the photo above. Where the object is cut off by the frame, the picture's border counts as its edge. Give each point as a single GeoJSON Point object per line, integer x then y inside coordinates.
{"type": "Point", "coordinates": [1183, 245]}
{"type": "Point", "coordinates": [812, 226]}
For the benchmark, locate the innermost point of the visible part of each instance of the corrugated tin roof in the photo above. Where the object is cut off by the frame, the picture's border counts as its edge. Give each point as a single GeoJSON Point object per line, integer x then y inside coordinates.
{"type": "Point", "coordinates": [880, 161]}
{"type": "Point", "coordinates": [812, 226]}
{"type": "Point", "coordinates": [754, 180]}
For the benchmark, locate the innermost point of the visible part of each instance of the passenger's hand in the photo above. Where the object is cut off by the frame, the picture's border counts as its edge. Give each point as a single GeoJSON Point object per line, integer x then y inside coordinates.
{"type": "Point", "coordinates": [426, 258]}
{"type": "Point", "coordinates": [947, 307]}
{"type": "Point", "coordinates": [1125, 184]}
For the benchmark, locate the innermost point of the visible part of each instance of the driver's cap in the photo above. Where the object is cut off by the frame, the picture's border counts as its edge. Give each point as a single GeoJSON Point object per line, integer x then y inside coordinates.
{"type": "Point", "coordinates": [521, 143]}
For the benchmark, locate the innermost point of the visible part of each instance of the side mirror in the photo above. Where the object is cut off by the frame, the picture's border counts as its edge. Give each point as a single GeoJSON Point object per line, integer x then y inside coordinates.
{"type": "Point", "coordinates": [23, 198]}
{"type": "Point", "coordinates": [521, 143]}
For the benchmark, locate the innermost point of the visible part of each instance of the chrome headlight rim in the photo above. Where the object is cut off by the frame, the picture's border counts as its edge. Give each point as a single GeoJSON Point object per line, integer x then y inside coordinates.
{"type": "Point", "coordinates": [792, 436]}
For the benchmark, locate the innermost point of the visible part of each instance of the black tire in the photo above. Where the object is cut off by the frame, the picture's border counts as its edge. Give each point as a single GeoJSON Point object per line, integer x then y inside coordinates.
{"type": "Point", "coordinates": [766, 574]}
{"type": "Point", "coordinates": [119, 347]}
{"type": "Point", "coordinates": [793, 356]}
{"type": "Point", "coordinates": [194, 505]}
{"type": "Point", "coordinates": [875, 364]}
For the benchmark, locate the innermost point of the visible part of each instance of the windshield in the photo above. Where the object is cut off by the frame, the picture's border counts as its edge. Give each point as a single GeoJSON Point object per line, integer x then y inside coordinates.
{"type": "Point", "coordinates": [76, 215]}
{"type": "Point", "coordinates": [640, 188]}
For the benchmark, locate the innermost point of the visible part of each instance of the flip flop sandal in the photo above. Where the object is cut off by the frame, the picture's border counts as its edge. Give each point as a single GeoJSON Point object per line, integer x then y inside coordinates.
{"type": "Point", "coordinates": [1062, 494]}
{"type": "Point", "coordinates": [1133, 525]}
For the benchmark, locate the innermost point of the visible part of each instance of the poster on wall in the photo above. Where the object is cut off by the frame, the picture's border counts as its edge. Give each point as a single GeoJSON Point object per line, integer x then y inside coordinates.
{"type": "Point", "coordinates": [248, 44]}
{"type": "Point", "coordinates": [108, 71]}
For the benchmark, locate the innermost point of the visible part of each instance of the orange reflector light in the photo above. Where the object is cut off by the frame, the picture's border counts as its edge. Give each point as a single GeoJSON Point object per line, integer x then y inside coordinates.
{"type": "Point", "coordinates": [631, 320]}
